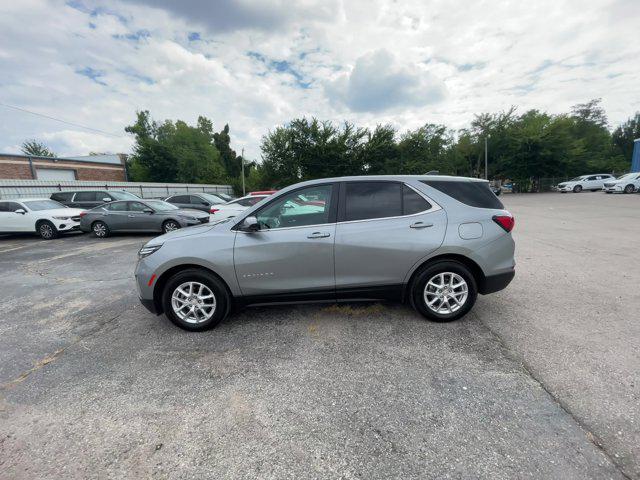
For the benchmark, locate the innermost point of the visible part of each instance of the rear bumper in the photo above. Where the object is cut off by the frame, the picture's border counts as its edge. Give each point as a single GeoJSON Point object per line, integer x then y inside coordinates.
{"type": "Point", "coordinates": [495, 283]}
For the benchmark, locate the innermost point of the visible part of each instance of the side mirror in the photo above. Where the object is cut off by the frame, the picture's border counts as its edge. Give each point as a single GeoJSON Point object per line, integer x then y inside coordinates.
{"type": "Point", "coordinates": [147, 210]}
{"type": "Point", "coordinates": [21, 211]}
{"type": "Point", "coordinates": [106, 199]}
{"type": "Point", "coordinates": [250, 224]}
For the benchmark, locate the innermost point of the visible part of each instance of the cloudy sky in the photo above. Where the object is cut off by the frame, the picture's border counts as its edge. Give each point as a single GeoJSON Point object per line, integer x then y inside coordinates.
{"type": "Point", "coordinates": [257, 64]}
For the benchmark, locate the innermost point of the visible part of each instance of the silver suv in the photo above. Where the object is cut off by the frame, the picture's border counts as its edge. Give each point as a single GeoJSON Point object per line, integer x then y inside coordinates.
{"type": "Point", "coordinates": [433, 241]}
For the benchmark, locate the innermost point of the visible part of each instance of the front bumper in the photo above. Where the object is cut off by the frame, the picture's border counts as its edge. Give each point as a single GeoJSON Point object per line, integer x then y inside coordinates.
{"type": "Point", "coordinates": [565, 188]}
{"type": "Point", "coordinates": [66, 225]}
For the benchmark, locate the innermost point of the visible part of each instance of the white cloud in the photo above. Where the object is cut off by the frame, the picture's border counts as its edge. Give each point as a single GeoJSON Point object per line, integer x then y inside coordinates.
{"type": "Point", "coordinates": [255, 65]}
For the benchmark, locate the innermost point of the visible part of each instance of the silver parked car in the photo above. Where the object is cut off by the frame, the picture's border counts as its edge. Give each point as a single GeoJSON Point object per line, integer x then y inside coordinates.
{"type": "Point", "coordinates": [433, 241]}
{"type": "Point", "coordinates": [139, 216]}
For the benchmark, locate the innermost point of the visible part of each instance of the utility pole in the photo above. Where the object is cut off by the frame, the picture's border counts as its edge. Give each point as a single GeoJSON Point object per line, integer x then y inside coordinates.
{"type": "Point", "coordinates": [242, 158]}
{"type": "Point", "coordinates": [486, 159]}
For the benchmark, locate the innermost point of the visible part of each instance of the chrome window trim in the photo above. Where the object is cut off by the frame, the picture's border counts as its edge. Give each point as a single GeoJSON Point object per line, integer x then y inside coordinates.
{"type": "Point", "coordinates": [434, 208]}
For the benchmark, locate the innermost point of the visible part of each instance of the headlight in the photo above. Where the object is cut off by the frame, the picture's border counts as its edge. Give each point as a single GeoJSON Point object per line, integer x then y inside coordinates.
{"type": "Point", "coordinates": [148, 250]}
{"type": "Point", "coordinates": [61, 218]}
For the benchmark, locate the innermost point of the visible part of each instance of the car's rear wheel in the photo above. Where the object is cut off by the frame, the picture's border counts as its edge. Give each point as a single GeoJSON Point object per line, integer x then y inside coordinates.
{"type": "Point", "coordinates": [628, 189]}
{"type": "Point", "coordinates": [444, 291]}
{"type": "Point", "coordinates": [170, 226]}
{"type": "Point", "coordinates": [100, 229]}
{"type": "Point", "coordinates": [47, 230]}
{"type": "Point", "coordinates": [195, 300]}
{"type": "Point", "coordinates": [577, 189]}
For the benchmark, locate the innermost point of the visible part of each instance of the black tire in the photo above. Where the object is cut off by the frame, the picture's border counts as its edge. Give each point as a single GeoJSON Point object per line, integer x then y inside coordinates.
{"type": "Point", "coordinates": [170, 226]}
{"type": "Point", "coordinates": [577, 189]}
{"type": "Point", "coordinates": [100, 229]}
{"type": "Point", "coordinates": [629, 189]}
{"type": "Point", "coordinates": [608, 191]}
{"type": "Point", "coordinates": [47, 230]}
{"type": "Point", "coordinates": [221, 296]}
{"type": "Point", "coordinates": [423, 277]}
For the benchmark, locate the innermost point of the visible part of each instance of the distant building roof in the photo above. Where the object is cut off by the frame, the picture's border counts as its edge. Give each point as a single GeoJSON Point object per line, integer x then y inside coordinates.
{"type": "Point", "coordinates": [107, 158]}
{"type": "Point", "coordinates": [113, 158]}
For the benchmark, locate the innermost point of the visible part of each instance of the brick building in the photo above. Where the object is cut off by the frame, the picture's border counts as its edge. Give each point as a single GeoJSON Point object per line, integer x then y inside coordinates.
{"type": "Point", "coordinates": [93, 167]}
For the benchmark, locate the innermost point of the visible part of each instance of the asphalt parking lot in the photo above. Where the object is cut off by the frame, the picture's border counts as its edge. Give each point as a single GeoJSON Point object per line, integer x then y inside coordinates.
{"type": "Point", "coordinates": [541, 380]}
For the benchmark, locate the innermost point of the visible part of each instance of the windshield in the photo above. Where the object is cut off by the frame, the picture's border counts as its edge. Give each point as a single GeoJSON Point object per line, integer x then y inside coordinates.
{"type": "Point", "coordinates": [213, 199]}
{"type": "Point", "coordinates": [123, 195]}
{"type": "Point", "coordinates": [161, 206]}
{"type": "Point", "coordinates": [626, 175]}
{"type": "Point", "coordinates": [224, 196]}
{"type": "Point", "coordinates": [37, 205]}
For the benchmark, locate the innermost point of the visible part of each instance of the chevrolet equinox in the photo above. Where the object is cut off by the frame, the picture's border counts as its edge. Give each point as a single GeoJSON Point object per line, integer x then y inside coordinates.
{"type": "Point", "coordinates": [433, 241]}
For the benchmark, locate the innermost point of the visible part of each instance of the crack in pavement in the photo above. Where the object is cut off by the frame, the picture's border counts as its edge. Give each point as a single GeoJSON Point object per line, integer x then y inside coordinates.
{"type": "Point", "coordinates": [591, 437]}
{"type": "Point", "coordinates": [53, 356]}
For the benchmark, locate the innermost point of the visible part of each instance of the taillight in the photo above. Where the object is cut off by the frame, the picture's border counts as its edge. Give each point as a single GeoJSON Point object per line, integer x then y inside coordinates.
{"type": "Point", "coordinates": [82, 214]}
{"type": "Point", "coordinates": [214, 210]}
{"type": "Point", "coordinates": [505, 221]}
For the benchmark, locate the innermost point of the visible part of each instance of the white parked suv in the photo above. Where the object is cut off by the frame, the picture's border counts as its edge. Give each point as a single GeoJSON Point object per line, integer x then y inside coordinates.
{"type": "Point", "coordinates": [627, 183]}
{"type": "Point", "coordinates": [234, 207]}
{"type": "Point", "coordinates": [585, 182]}
{"type": "Point", "coordinates": [43, 216]}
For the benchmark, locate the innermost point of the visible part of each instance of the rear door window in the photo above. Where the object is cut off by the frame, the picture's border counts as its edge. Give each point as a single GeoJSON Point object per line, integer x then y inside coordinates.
{"type": "Point", "coordinates": [474, 194]}
{"type": "Point", "coordinates": [367, 200]}
{"type": "Point", "coordinates": [116, 206]}
{"type": "Point", "coordinates": [62, 196]}
{"type": "Point", "coordinates": [85, 197]}
{"type": "Point", "coordinates": [412, 202]}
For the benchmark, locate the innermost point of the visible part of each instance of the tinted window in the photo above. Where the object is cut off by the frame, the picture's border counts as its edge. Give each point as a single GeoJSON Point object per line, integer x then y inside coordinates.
{"type": "Point", "coordinates": [196, 200]}
{"type": "Point", "coordinates": [591, 178]}
{"type": "Point", "coordinates": [10, 206]}
{"type": "Point", "coordinates": [249, 201]}
{"type": "Point", "coordinates": [412, 202]}
{"type": "Point", "coordinates": [474, 194]}
{"type": "Point", "coordinates": [373, 200]}
{"type": "Point", "coordinates": [294, 210]}
{"type": "Point", "coordinates": [85, 197]}
{"type": "Point", "coordinates": [116, 206]}
{"type": "Point", "coordinates": [137, 206]}
{"type": "Point", "coordinates": [62, 196]}
{"type": "Point", "coordinates": [180, 199]}
{"type": "Point", "coordinates": [212, 199]}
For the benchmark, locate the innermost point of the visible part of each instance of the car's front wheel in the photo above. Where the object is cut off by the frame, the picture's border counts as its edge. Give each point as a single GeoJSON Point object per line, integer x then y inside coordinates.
{"type": "Point", "coordinates": [47, 230]}
{"type": "Point", "coordinates": [628, 189]}
{"type": "Point", "coordinates": [170, 226]}
{"type": "Point", "coordinates": [100, 229]}
{"type": "Point", "coordinates": [577, 189]}
{"type": "Point", "coordinates": [444, 291]}
{"type": "Point", "coordinates": [195, 300]}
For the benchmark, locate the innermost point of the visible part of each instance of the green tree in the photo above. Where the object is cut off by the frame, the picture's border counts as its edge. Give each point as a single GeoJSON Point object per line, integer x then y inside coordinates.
{"type": "Point", "coordinates": [174, 152]}
{"type": "Point", "coordinates": [36, 148]}
{"type": "Point", "coordinates": [624, 135]}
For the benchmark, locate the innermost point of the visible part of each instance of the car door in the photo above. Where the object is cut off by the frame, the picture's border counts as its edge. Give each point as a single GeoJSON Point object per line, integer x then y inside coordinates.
{"type": "Point", "coordinates": [591, 183]}
{"type": "Point", "coordinates": [138, 218]}
{"type": "Point", "coordinates": [86, 200]}
{"type": "Point", "coordinates": [290, 256]}
{"type": "Point", "coordinates": [180, 201]}
{"type": "Point", "coordinates": [384, 228]}
{"type": "Point", "coordinates": [10, 221]}
{"type": "Point", "coordinates": [113, 214]}
{"type": "Point", "coordinates": [199, 203]}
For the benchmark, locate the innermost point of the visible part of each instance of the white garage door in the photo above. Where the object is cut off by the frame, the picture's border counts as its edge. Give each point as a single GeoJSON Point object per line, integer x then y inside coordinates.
{"type": "Point", "coordinates": [55, 174]}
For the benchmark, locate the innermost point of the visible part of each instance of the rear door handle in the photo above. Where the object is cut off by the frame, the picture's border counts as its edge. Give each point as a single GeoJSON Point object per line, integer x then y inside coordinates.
{"type": "Point", "coordinates": [131, 216]}
{"type": "Point", "coordinates": [319, 235]}
{"type": "Point", "coordinates": [420, 225]}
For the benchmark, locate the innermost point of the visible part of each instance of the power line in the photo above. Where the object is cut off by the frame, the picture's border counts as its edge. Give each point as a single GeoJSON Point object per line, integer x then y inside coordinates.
{"type": "Point", "coordinates": [62, 121]}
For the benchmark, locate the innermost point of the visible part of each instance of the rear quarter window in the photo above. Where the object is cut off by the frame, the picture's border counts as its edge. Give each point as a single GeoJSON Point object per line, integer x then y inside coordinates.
{"type": "Point", "coordinates": [474, 194]}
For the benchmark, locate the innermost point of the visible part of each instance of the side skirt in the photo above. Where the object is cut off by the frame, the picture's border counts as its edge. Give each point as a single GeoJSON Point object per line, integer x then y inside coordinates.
{"type": "Point", "coordinates": [380, 292]}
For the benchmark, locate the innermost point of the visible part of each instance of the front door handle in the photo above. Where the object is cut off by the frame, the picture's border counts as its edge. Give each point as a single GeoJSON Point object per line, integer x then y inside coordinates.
{"type": "Point", "coordinates": [420, 225]}
{"type": "Point", "coordinates": [319, 235]}
{"type": "Point", "coordinates": [131, 216]}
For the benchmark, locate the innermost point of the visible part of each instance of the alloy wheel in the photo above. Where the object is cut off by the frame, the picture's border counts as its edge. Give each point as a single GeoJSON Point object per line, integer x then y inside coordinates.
{"type": "Point", "coordinates": [100, 229]}
{"type": "Point", "coordinates": [193, 302]}
{"type": "Point", "coordinates": [46, 231]}
{"type": "Point", "coordinates": [446, 293]}
{"type": "Point", "coordinates": [171, 226]}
